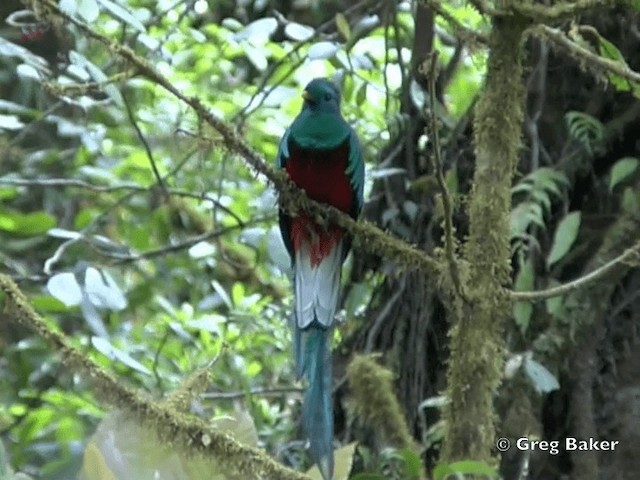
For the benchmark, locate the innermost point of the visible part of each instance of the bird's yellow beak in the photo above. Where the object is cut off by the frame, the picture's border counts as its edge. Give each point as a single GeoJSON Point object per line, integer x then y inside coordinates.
{"type": "Point", "coordinates": [306, 96]}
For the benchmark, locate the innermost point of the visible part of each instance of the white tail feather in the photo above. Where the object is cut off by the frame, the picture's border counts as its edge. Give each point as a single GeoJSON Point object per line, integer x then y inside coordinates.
{"type": "Point", "coordinates": [317, 286]}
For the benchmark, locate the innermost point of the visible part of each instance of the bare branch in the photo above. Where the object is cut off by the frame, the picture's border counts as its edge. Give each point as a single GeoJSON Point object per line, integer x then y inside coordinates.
{"type": "Point", "coordinates": [630, 255]}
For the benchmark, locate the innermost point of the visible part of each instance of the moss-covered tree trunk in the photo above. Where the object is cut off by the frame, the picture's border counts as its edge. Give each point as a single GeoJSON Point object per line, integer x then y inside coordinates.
{"type": "Point", "coordinates": [477, 345]}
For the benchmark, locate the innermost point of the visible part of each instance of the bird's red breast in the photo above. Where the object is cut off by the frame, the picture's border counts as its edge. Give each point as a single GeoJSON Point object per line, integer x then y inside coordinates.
{"type": "Point", "coordinates": [323, 177]}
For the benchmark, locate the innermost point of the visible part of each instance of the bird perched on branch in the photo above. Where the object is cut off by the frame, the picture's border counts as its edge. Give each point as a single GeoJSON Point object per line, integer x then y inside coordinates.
{"type": "Point", "coordinates": [321, 154]}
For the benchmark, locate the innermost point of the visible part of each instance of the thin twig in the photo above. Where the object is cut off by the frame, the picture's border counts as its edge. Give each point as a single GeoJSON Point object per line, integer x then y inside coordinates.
{"type": "Point", "coordinates": [147, 148]}
{"type": "Point", "coordinates": [156, 359]}
{"type": "Point", "coordinates": [630, 255]}
{"type": "Point", "coordinates": [158, 252]}
{"type": "Point", "coordinates": [265, 392]}
{"type": "Point", "coordinates": [23, 133]}
{"type": "Point", "coordinates": [382, 316]}
{"type": "Point", "coordinates": [449, 229]}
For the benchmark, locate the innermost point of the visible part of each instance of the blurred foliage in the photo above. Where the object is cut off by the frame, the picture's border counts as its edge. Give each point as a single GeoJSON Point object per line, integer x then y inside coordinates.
{"type": "Point", "coordinates": [156, 250]}
{"type": "Point", "coordinates": [135, 233]}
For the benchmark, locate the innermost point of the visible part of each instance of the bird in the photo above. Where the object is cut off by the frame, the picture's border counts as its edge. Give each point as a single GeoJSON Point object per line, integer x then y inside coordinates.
{"type": "Point", "coordinates": [321, 154]}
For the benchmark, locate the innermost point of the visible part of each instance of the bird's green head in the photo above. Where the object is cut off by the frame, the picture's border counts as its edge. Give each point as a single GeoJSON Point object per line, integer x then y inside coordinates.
{"type": "Point", "coordinates": [321, 95]}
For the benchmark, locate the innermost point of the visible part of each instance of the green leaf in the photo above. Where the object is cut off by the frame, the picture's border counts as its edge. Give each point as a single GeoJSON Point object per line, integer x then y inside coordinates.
{"type": "Point", "coordinates": [343, 458]}
{"type": "Point", "coordinates": [555, 305]}
{"type": "Point", "coordinates": [610, 51]}
{"type": "Point", "coordinates": [564, 237]}
{"type": "Point", "coordinates": [105, 347]}
{"type": "Point", "coordinates": [524, 281]}
{"type": "Point", "coordinates": [29, 224]}
{"type": "Point", "coordinates": [523, 216]}
{"type": "Point", "coordinates": [238, 292]}
{"type": "Point", "coordinates": [47, 303]}
{"type": "Point", "coordinates": [631, 201]}
{"type": "Point", "coordinates": [123, 14]}
{"type": "Point", "coordinates": [343, 26]}
{"type": "Point", "coordinates": [412, 464]}
{"type": "Point", "coordinates": [585, 129]}
{"type": "Point", "coordinates": [621, 170]}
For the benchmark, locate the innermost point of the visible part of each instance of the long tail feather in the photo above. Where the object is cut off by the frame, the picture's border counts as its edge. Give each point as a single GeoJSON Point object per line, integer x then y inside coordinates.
{"type": "Point", "coordinates": [317, 286]}
{"type": "Point", "coordinates": [317, 413]}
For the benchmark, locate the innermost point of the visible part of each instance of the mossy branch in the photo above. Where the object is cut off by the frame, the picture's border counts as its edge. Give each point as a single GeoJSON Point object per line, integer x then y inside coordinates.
{"type": "Point", "coordinates": [559, 11]}
{"type": "Point", "coordinates": [186, 432]}
{"type": "Point", "coordinates": [586, 58]}
{"type": "Point", "coordinates": [292, 198]}
{"type": "Point", "coordinates": [541, 13]}
{"type": "Point", "coordinates": [374, 402]}
{"type": "Point", "coordinates": [477, 337]}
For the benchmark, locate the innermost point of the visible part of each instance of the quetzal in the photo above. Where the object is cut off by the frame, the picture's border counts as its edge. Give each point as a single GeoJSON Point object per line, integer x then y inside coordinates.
{"type": "Point", "coordinates": [322, 154]}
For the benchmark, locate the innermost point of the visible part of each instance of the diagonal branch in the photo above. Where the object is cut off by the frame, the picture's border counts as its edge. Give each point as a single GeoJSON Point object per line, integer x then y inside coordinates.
{"type": "Point", "coordinates": [587, 58]}
{"type": "Point", "coordinates": [172, 426]}
{"type": "Point", "coordinates": [292, 199]}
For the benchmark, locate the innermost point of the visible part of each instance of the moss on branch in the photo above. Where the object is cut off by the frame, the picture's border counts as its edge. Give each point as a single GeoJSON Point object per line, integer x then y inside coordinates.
{"type": "Point", "coordinates": [374, 402]}
{"type": "Point", "coordinates": [185, 432]}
